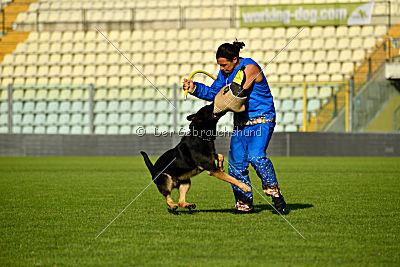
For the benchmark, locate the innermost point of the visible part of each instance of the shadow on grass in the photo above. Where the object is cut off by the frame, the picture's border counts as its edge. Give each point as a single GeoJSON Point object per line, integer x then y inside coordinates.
{"type": "Point", "coordinates": [257, 209]}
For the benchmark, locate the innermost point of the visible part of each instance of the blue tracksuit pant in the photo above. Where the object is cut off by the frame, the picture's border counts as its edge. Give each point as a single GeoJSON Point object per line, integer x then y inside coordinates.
{"type": "Point", "coordinates": [248, 146]}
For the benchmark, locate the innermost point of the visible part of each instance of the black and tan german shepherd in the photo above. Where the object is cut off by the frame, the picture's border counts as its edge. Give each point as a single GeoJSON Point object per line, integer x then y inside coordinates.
{"type": "Point", "coordinates": [194, 154]}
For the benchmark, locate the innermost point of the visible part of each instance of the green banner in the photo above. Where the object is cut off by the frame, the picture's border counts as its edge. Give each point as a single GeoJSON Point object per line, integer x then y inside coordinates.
{"type": "Point", "coordinates": [306, 14]}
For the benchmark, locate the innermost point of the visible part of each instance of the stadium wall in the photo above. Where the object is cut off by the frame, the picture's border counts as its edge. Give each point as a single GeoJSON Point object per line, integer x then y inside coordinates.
{"type": "Point", "coordinates": [282, 144]}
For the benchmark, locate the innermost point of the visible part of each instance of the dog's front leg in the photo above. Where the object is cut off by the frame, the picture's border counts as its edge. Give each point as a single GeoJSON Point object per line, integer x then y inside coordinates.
{"type": "Point", "coordinates": [170, 202]}
{"type": "Point", "coordinates": [227, 178]}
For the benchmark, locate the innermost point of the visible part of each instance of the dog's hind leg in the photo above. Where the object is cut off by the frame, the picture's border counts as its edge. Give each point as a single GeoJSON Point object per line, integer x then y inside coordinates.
{"type": "Point", "coordinates": [183, 189]}
{"type": "Point", "coordinates": [165, 186]}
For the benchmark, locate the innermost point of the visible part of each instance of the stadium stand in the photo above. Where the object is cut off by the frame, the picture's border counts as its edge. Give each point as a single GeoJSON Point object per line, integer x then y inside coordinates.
{"type": "Point", "coordinates": [51, 70]}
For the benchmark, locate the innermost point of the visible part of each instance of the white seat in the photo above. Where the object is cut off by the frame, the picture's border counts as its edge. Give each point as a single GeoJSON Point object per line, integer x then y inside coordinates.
{"type": "Point", "coordinates": [332, 55]}
{"type": "Point", "coordinates": [321, 68]}
{"type": "Point", "coordinates": [356, 42]}
{"type": "Point", "coordinates": [345, 55]}
{"type": "Point", "coordinates": [343, 43]}
{"type": "Point", "coordinates": [308, 68]}
{"type": "Point", "coordinates": [354, 31]}
{"type": "Point", "coordinates": [307, 56]}
{"type": "Point", "coordinates": [367, 31]}
{"type": "Point", "coordinates": [369, 42]}
{"type": "Point", "coordinates": [316, 32]}
{"type": "Point", "coordinates": [320, 55]}
{"type": "Point", "coordinates": [330, 43]}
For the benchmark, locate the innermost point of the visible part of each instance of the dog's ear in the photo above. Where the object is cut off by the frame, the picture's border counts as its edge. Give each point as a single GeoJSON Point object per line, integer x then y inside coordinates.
{"type": "Point", "coordinates": [191, 117]}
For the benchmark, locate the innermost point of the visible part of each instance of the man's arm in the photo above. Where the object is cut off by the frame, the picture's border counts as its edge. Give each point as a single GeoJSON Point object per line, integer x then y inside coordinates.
{"type": "Point", "coordinates": [253, 75]}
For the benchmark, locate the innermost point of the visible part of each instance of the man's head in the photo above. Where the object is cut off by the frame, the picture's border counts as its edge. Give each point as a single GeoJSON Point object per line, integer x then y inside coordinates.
{"type": "Point", "coordinates": [228, 56]}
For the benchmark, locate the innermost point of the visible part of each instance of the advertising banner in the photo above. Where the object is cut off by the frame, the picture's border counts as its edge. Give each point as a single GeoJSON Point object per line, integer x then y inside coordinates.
{"type": "Point", "coordinates": [306, 14]}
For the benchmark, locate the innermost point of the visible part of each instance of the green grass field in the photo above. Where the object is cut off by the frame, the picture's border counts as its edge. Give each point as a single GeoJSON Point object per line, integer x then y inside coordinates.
{"type": "Point", "coordinates": [52, 208]}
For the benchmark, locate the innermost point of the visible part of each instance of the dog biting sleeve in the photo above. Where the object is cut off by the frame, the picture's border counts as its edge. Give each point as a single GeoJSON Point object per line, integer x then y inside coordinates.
{"type": "Point", "coordinates": [233, 96]}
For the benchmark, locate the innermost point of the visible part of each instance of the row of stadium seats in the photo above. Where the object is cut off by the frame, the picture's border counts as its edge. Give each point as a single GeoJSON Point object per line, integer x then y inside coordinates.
{"type": "Point", "coordinates": [163, 69]}
{"type": "Point", "coordinates": [161, 80]}
{"type": "Point", "coordinates": [116, 129]}
{"type": "Point", "coordinates": [135, 107]}
{"type": "Point", "coordinates": [172, 61]}
{"type": "Point", "coordinates": [148, 120]}
{"type": "Point", "coordinates": [174, 51]}
{"type": "Point", "coordinates": [82, 61]}
{"type": "Point", "coordinates": [316, 32]}
{"type": "Point", "coordinates": [33, 93]}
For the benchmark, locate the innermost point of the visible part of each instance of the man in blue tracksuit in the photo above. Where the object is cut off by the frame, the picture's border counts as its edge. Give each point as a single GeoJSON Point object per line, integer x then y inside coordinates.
{"type": "Point", "coordinates": [253, 127]}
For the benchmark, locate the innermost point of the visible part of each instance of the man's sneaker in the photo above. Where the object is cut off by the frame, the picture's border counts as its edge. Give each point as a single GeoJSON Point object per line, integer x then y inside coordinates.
{"type": "Point", "coordinates": [277, 198]}
{"type": "Point", "coordinates": [243, 208]}
{"type": "Point", "coordinates": [279, 202]}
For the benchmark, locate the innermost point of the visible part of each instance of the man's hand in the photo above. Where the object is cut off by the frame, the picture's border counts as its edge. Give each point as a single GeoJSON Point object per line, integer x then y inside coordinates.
{"type": "Point", "coordinates": [188, 85]}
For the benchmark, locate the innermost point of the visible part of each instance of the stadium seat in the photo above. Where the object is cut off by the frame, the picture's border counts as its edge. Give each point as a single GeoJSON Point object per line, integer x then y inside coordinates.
{"type": "Point", "coordinates": [285, 92]}
{"type": "Point", "coordinates": [313, 105]}
{"type": "Point", "coordinates": [53, 107]}
{"type": "Point", "coordinates": [149, 106]}
{"type": "Point", "coordinates": [100, 129]}
{"type": "Point", "coordinates": [287, 105]}
{"type": "Point", "coordinates": [125, 119]}
{"type": "Point", "coordinates": [40, 119]}
{"type": "Point", "coordinates": [124, 106]}
{"type": "Point", "coordinates": [99, 119]}
{"type": "Point", "coordinates": [137, 119]}
{"type": "Point", "coordinates": [76, 119]}
{"type": "Point", "coordinates": [112, 118]}
{"type": "Point", "coordinates": [112, 129]}
{"type": "Point", "coordinates": [290, 128]}
{"type": "Point", "coordinates": [65, 107]}
{"type": "Point", "coordinates": [298, 105]}
{"type": "Point", "coordinates": [278, 128]}
{"type": "Point", "coordinates": [100, 106]}
{"type": "Point", "coordinates": [299, 119]}
{"type": "Point", "coordinates": [288, 118]}
{"type": "Point", "coordinates": [137, 106]}
{"type": "Point", "coordinates": [17, 119]}
{"type": "Point", "coordinates": [149, 119]}
{"type": "Point", "coordinates": [4, 107]}
{"type": "Point", "coordinates": [28, 107]}
{"type": "Point", "coordinates": [163, 119]}
{"type": "Point", "coordinates": [325, 92]}
{"type": "Point", "coordinates": [125, 129]}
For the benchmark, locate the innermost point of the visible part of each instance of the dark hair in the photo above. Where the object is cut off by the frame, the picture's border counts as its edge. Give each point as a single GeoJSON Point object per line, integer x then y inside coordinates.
{"type": "Point", "coordinates": [229, 51]}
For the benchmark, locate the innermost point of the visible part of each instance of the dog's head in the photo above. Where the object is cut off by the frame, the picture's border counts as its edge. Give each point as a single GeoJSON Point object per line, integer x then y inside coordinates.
{"type": "Point", "coordinates": [205, 116]}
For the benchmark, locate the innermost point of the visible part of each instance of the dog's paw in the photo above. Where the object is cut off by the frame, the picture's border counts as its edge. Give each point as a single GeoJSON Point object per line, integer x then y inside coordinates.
{"type": "Point", "coordinates": [191, 206]}
{"type": "Point", "coordinates": [245, 188]}
{"type": "Point", "coordinates": [173, 207]}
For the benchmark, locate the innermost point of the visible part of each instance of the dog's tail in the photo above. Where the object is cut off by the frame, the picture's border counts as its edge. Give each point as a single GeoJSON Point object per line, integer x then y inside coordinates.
{"type": "Point", "coordinates": [149, 165]}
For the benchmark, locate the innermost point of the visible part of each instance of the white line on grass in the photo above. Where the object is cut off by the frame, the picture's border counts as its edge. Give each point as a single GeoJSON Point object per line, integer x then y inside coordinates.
{"type": "Point", "coordinates": [130, 62]}
{"type": "Point", "coordinates": [253, 187]}
{"type": "Point", "coordinates": [135, 198]}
